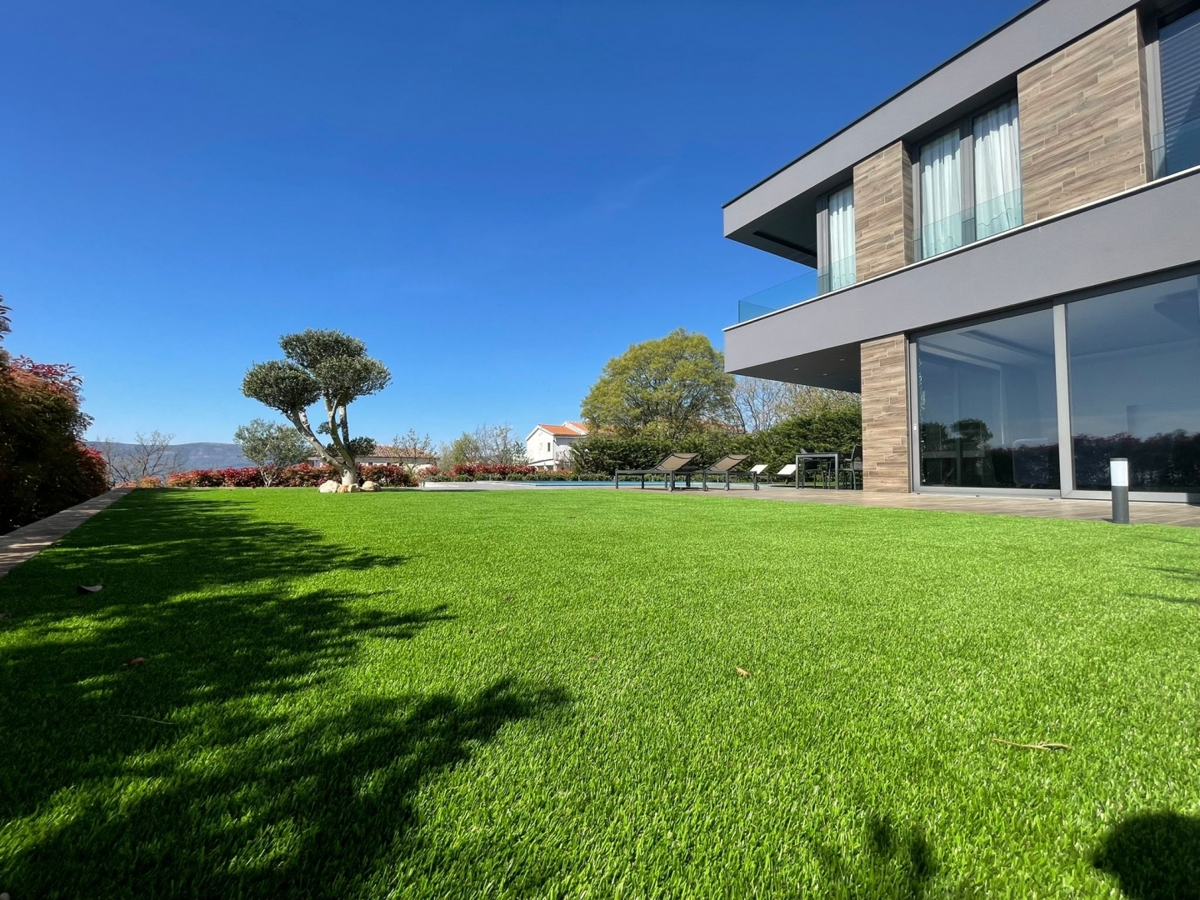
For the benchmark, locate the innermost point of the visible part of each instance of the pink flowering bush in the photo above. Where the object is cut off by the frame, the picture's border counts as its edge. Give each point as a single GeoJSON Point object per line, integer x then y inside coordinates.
{"type": "Point", "coordinates": [303, 475]}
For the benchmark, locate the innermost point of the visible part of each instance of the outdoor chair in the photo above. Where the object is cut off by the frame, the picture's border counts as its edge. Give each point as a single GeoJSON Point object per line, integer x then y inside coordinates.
{"type": "Point", "coordinates": [673, 465]}
{"type": "Point", "coordinates": [820, 470]}
{"type": "Point", "coordinates": [853, 467]}
{"type": "Point", "coordinates": [722, 468]}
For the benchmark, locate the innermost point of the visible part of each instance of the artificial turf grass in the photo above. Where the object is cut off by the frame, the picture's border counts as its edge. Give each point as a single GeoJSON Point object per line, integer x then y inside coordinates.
{"type": "Point", "coordinates": [535, 693]}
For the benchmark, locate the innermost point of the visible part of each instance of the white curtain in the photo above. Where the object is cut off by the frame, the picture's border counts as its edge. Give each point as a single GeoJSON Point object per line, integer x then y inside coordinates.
{"type": "Point", "coordinates": [997, 170]}
{"type": "Point", "coordinates": [842, 271]}
{"type": "Point", "coordinates": [941, 196]}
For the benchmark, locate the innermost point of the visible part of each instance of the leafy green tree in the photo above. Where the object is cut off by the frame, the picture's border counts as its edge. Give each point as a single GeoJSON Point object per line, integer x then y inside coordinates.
{"type": "Point", "coordinates": [760, 404]}
{"type": "Point", "coordinates": [462, 450]}
{"type": "Point", "coordinates": [271, 447]}
{"type": "Point", "coordinates": [320, 365]}
{"type": "Point", "coordinates": [488, 444]}
{"type": "Point", "coordinates": [672, 386]}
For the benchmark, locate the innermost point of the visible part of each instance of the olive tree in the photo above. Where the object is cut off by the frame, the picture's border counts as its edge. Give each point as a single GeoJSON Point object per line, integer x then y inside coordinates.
{"type": "Point", "coordinates": [320, 365]}
{"type": "Point", "coordinates": [271, 447]}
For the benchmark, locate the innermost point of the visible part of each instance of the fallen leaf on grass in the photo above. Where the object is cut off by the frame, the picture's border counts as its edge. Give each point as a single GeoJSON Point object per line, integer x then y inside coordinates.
{"type": "Point", "coordinates": [143, 718]}
{"type": "Point", "coordinates": [136, 661]}
{"type": "Point", "coordinates": [89, 589]}
{"type": "Point", "coordinates": [1044, 745]}
{"type": "Point", "coordinates": [742, 672]}
{"type": "Point", "coordinates": [502, 628]}
{"type": "Point", "coordinates": [508, 596]}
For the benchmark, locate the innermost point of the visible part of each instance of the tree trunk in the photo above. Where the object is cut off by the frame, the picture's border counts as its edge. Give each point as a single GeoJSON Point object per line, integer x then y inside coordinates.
{"type": "Point", "coordinates": [349, 474]}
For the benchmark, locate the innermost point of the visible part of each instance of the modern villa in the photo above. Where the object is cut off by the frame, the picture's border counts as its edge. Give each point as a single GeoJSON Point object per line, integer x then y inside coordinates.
{"type": "Point", "coordinates": [1008, 261]}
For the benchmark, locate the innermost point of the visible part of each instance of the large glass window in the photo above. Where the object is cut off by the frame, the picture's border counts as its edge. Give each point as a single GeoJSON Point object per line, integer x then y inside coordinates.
{"type": "Point", "coordinates": [1178, 147]}
{"type": "Point", "coordinates": [958, 207]}
{"type": "Point", "coordinates": [941, 196]}
{"type": "Point", "coordinates": [987, 414]}
{"type": "Point", "coordinates": [842, 271]}
{"type": "Point", "coordinates": [997, 160]}
{"type": "Point", "coordinates": [1135, 386]}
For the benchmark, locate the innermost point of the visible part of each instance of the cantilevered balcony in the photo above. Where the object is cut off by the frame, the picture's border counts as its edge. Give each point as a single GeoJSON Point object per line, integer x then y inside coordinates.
{"type": "Point", "coordinates": [815, 339]}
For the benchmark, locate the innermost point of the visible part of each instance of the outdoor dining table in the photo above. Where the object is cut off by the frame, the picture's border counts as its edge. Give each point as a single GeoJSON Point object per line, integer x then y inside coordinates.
{"type": "Point", "coordinates": [802, 462]}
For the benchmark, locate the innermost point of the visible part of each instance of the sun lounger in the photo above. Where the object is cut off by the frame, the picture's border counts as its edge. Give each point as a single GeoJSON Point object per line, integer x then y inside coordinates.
{"type": "Point", "coordinates": [722, 468]}
{"type": "Point", "coordinates": [673, 465]}
{"type": "Point", "coordinates": [761, 473]}
{"type": "Point", "coordinates": [757, 472]}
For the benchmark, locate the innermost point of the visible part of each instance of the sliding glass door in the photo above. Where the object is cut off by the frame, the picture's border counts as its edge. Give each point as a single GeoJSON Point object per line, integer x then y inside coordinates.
{"type": "Point", "coordinates": [1135, 386]}
{"type": "Point", "coordinates": [986, 405]}
{"type": "Point", "coordinates": [997, 141]}
{"type": "Point", "coordinates": [1178, 147]}
{"type": "Point", "coordinates": [842, 270]}
{"type": "Point", "coordinates": [1124, 364]}
{"type": "Point", "coordinates": [941, 196]}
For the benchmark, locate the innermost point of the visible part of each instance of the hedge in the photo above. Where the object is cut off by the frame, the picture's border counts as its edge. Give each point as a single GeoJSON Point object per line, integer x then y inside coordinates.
{"type": "Point", "coordinates": [838, 429]}
{"type": "Point", "coordinates": [303, 475]}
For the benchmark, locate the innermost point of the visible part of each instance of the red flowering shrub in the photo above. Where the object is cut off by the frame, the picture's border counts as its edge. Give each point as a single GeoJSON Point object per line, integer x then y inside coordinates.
{"type": "Point", "coordinates": [149, 482]}
{"type": "Point", "coordinates": [303, 475]}
{"type": "Point", "coordinates": [196, 478]}
{"type": "Point", "coordinates": [388, 476]}
{"type": "Point", "coordinates": [44, 468]}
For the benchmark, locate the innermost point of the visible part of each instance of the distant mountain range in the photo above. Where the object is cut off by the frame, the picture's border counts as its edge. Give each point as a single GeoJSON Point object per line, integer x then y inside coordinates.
{"type": "Point", "coordinates": [185, 457]}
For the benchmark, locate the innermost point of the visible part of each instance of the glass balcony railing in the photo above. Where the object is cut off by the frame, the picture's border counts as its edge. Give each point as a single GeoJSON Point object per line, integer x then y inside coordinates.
{"type": "Point", "coordinates": [748, 310]}
{"type": "Point", "coordinates": [989, 217]}
{"type": "Point", "coordinates": [789, 293]}
{"type": "Point", "coordinates": [999, 214]}
{"type": "Point", "coordinates": [940, 236]}
{"type": "Point", "coordinates": [840, 273]}
{"type": "Point", "coordinates": [1176, 149]}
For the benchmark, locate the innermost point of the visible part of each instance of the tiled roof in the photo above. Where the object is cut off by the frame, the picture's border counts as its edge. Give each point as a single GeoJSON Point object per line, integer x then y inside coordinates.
{"type": "Point", "coordinates": [561, 430]}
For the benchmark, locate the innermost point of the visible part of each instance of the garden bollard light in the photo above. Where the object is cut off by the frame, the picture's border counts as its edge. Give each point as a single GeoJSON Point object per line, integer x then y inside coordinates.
{"type": "Point", "coordinates": [1119, 475]}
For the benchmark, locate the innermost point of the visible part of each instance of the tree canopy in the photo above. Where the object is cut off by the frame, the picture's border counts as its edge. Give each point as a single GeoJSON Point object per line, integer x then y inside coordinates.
{"type": "Point", "coordinates": [488, 444]}
{"type": "Point", "coordinates": [671, 386]}
{"type": "Point", "coordinates": [271, 447]}
{"type": "Point", "coordinates": [320, 365]}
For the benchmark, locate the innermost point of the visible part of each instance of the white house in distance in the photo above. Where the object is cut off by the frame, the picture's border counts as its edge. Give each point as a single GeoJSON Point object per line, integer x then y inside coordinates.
{"type": "Point", "coordinates": [549, 446]}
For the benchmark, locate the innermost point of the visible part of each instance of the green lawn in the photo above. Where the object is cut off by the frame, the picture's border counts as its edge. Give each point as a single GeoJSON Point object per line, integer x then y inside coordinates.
{"type": "Point", "coordinates": [536, 694]}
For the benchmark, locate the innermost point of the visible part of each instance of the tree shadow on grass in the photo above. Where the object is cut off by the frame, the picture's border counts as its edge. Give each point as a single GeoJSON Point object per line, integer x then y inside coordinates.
{"type": "Point", "coordinates": [900, 862]}
{"type": "Point", "coordinates": [1154, 856]}
{"type": "Point", "coordinates": [1189, 578]}
{"type": "Point", "coordinates": [252, 808]}
{"type": "Point", "coordinates": [262, 784]}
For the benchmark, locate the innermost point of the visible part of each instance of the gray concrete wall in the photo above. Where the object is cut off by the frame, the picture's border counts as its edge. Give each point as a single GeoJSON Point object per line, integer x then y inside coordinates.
{"type": "Point", "coordinates": [1153, 228]}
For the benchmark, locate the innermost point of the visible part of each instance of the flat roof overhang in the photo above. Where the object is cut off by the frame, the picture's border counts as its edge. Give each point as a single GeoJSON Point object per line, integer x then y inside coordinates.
{"type": "Point", "coordinates": [1149, 229]}
{"type": "Point", "coordinates": [779, 213]}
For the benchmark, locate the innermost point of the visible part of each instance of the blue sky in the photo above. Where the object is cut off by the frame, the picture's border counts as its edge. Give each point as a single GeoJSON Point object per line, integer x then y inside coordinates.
{"type": "Point", "coordinates": [496, 197]}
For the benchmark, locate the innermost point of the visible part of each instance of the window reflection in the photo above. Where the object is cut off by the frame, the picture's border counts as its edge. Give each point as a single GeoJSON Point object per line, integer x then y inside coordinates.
{"type": "Point", "coordinates": [986, 404]}
{"type": "Point", "coordinates": [1135, 386]}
